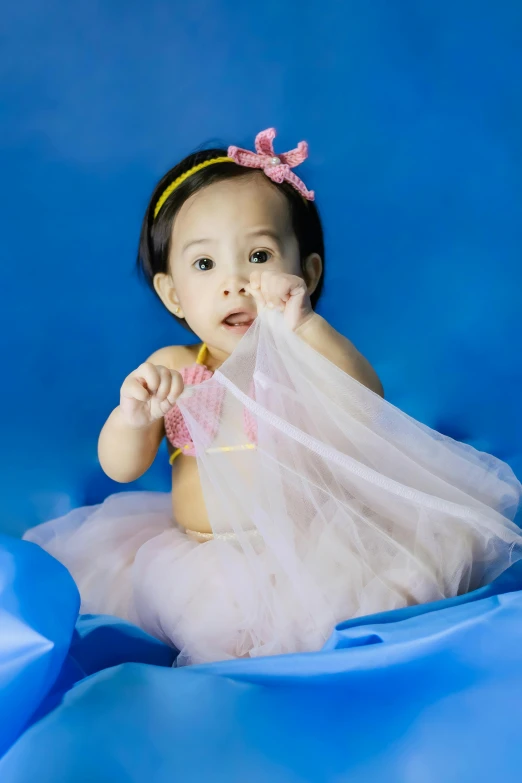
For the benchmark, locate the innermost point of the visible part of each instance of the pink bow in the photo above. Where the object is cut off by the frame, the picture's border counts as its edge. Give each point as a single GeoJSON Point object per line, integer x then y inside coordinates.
{"type": "Point", "coordinates": [277, 167]}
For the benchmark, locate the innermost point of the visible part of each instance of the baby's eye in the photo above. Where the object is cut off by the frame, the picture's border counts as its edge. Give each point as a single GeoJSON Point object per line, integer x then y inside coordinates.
{"type": "Point", "coordinates": [204, 264]}
{"type": "Point", "coordinates": [260, 257]}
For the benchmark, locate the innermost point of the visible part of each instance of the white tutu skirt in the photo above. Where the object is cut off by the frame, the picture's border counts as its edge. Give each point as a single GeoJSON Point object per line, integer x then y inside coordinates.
{"type": "Point", "coordinates": [345, 507]}
{"type": "Point", "coordinates": [129, 559]}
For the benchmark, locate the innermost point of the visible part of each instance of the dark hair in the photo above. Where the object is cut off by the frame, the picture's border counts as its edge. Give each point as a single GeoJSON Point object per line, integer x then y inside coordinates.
{"type": "Point", "coordinates": [154, 246]}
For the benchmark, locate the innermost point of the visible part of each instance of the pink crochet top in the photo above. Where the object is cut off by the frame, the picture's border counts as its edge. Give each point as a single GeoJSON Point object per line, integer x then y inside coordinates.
{"type": "Point", "coordinates": [175, 427]}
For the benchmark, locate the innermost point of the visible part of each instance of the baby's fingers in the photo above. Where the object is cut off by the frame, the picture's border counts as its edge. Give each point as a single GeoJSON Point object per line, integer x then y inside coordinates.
{"type": "Point", "coordinates": [133, 389]}
{"type": "Point", "coordinates": [280, 288]}
{"type": "Point", "coordinates": [150, 375]}
{"type": "Point", "coordinates": [176, 387]}
{"type": "Point", "coordinates": [255, 278]}
{"type": "Point", "coordinates": [254, 289]}
{"type": "Point", "coordinates": [163, 389]}
{"type": "Point", "coordinates": [257, 296]}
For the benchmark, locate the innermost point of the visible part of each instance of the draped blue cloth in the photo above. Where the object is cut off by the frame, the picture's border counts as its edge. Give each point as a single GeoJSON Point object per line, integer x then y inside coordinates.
{"type": "Point", "coordinates": [428, 693]}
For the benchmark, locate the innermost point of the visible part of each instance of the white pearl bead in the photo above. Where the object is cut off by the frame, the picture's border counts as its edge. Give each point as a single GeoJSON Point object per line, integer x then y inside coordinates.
{"type": "Point", "coordinates": [275, 161]}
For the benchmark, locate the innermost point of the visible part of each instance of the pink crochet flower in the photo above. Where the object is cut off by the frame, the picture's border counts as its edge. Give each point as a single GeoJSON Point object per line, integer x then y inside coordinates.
{"type": "Point", "coordinates": [277, 167]}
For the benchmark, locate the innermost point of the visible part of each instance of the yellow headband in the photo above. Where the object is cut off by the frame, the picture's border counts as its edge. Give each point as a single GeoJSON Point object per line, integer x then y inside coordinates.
{"type": "Point", "coordinates": [177, 182]}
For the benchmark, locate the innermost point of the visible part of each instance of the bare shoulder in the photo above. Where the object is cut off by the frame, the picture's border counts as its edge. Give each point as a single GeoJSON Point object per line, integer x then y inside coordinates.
{"type": "Point", "coordinates": [175, 356]}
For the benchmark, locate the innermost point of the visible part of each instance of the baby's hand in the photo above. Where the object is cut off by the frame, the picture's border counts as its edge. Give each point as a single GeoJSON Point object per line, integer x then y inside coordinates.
{"type": "Point", "coordinates": [148, 393]}
{"type": "Point", "coordinates": [284, 292]}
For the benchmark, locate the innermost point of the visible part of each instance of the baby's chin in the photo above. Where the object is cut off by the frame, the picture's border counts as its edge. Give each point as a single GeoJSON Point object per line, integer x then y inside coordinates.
{"type": "Point", "coordinates": [223, 337]}
{"type": "Point", "coordinates": [229, 337]}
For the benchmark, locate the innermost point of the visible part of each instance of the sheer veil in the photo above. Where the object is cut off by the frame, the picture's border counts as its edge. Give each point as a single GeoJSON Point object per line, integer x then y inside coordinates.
{"type": "Point", "coordinates": [347, 505]}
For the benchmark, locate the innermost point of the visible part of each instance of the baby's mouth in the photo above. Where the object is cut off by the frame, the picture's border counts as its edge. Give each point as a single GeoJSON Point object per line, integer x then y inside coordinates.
{"type": "Point", "coordinates": [238, 322]}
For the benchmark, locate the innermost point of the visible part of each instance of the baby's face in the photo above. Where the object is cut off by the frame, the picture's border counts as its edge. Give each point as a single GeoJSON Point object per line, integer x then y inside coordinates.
{"type": "Point", "coordinates": [220, 235]}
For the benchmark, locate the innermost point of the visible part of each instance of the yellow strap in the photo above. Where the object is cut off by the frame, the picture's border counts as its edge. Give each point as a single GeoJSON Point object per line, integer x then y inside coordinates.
{"type": "Point", "coordinates": [177, 182]}
{"type": "Point", "coordinates": [202, 353]}
{"type": "Point", "coordinates": [214, 450]}
{"type": "Point", "coordinates": [243, 447]}
{"type": "Point", "coordinates": [179, 451]}
{"type": "Point", "coordinates": [174, 455]}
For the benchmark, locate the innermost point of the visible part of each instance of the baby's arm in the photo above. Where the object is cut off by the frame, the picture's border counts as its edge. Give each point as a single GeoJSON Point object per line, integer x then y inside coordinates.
{"type": "Point", "coordinates": [132, 434]}
{"type": "Point", "coordinates": [321, 336]}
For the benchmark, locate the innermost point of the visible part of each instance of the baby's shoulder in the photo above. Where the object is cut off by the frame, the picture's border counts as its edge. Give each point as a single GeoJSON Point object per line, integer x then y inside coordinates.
{"type": "Point", "coordinates": [175, 357]}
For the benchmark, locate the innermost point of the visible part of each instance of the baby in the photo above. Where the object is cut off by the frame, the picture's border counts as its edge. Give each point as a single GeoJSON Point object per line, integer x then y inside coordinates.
{"type": "Point", "coordinates": [359, 509]}
{"type": "Point", "coordinates": [225, 241]}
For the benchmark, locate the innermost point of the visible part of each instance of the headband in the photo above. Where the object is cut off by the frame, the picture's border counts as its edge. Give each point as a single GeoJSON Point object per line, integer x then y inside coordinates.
{"type": "Point", "coordinates": [277, 167]}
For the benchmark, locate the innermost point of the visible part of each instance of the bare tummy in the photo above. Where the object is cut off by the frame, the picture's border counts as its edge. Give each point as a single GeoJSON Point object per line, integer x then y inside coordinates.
{"type": "Point", "coordinates": [188, 500]}
{"type": "Point", "coordinates": [188, 504]}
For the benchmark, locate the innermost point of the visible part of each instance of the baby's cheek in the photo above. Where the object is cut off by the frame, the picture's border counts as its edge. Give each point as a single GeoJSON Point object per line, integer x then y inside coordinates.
{"type": "Point", "coordinates": [196, 306]}
{"type": "Point", "coordinates": [291, 265]}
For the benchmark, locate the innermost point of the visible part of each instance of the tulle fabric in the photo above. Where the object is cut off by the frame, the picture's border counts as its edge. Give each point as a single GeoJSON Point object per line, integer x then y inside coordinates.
{"type": "Point", "coordinates": [347, 507]}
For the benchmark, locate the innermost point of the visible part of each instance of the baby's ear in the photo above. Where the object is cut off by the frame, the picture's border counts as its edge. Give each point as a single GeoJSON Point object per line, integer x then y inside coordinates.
{"type": "Point", "coordinates": [164, 287]}
{"type": "Point", "coordinates": [312, 271]}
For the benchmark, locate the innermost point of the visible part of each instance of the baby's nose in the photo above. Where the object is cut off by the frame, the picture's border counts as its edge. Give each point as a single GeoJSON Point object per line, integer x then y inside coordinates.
{"type": "Point", "coordinates": [235, 286]}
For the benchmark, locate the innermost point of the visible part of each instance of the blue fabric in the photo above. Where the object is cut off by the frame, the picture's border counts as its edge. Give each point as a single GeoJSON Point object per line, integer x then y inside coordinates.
{"type": "Point", "coordinates": [413, 115]}
{"type": "Point", "coordinates": [427, 694]}
{"type": "Point", "coordinates": [38, 608]}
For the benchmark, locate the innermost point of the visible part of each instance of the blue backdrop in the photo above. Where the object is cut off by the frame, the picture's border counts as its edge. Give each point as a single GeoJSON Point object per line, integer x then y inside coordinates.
{"type": "Point", "coordinates": [413, 114]}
